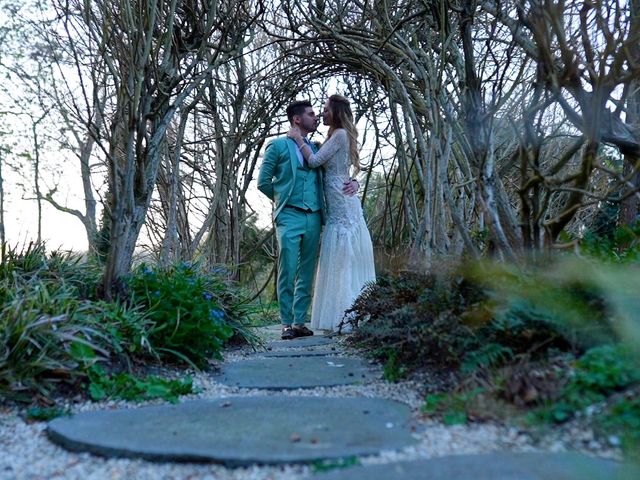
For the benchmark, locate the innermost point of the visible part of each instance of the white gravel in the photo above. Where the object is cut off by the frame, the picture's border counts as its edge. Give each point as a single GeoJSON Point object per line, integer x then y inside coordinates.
{"type": "Point", "coordinates": [26, 453]}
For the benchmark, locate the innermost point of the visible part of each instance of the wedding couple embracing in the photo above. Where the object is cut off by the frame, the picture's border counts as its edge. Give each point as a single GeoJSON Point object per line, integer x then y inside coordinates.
{"type": "Point", "coordinates": [320, 228]}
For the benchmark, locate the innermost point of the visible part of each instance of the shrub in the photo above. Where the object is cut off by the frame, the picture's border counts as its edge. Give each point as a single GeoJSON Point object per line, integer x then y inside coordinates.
{"type": "Point", "coordinates": [546, 304]}
{"type": "Point", "coordinates": [44, 414]}
{"type": "Point", "coordinates": [48, 313]}
{"type": "Point", "coordinates": [42, 322]}
{"type": "Point", "coordinates": [600, 372]}
{"type": "Point", "coordinates": [192, 313]}
{"type": "Point", "coordinates": [54, 332]}
{"type": "Point", "coordinates": [392, 370]}
{"type": "Point", "coordinates": [72, 269]}
{"type": "Point", "coordinates": [623, 419]}
{"type": "Point", "coordinates": [620, 246]}
{"type": "Point", "coordinates": [452, 322]}
{"type": "Point", "coordinates": [416, 318]}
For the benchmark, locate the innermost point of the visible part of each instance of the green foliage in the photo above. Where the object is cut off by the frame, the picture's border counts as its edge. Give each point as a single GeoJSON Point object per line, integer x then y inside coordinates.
{"type": "Point", "coordinates": [393, 370]}
{"type": "Point", "coordinates": [321, 466]}
{"type": "Point", "coordinates": [76, 272]}
{"type": "Point", "coordinates": [124, 386]}
{"type": "Point", "coordinates": [44, 414]}
{"type": "Point", "coordinates": [623, 419]}
{"type": "Point", "coordinates": [419, 315]}
{"type": "Point", "coordinates": [264, 314]}
{"type": "Point", "coordinates": [42, 326]}
{"type": "Point", "coordinates": [54, 331]}
{"type": "Point", "coordinates": [489, 355]}
{"type": "Point", "coordinates": [552, 337]}
{"type": "Point", "coordinates": [193, 313]}
{"type": "Point", "coordinates": [457, 323]}
{"type": "Point", "coordinates": [600, 372]}
{"type": "Point", "coordinates": [545, 304]}
{"type": "Point", "coordinates": [48, 316]}
{"type": "Point", "coordinates": [622, 245]}
{"type": "Point", "coordinates": [451, 406]}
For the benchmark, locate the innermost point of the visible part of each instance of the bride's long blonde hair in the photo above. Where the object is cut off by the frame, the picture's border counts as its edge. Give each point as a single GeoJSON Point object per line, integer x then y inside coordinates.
{"type": "Point", "coordinates": [341, 116]}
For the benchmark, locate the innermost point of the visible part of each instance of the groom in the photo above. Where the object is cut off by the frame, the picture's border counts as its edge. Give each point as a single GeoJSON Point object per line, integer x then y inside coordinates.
{"type": "Point", "coordinates": [299, 215]}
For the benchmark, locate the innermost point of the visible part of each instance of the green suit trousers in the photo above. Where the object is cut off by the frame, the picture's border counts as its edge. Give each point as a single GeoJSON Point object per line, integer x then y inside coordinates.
{"type": "Point", "coordinates": [298, 235]}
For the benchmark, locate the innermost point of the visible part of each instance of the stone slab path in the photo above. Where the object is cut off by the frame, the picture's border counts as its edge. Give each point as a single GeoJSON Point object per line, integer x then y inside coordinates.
{"type": "Point", "coordinates": [241, 431]}
{"type": "Point", "coordinates": [288, 373]}
{"type": "Point", "coordinates": [497, 466]}
{"type": "Point", "coordinates": [273, 412]}
{"type": "Point", "coordinates": [301, 342]}
{"type": "Point", "coordinates": [300, 352]}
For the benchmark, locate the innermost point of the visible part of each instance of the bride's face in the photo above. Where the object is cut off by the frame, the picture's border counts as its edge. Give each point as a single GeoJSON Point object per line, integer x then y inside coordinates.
{"type": "Point", "coordinates": [326, 115]}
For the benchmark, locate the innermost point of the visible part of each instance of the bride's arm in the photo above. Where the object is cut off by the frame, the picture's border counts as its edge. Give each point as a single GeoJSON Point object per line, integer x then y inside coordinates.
{"type": "Point", "coordinates": [327, 150]}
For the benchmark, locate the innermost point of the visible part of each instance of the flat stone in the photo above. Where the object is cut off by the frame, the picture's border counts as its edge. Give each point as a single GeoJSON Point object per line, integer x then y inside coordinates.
{"type": "Point", "coordinates": [241, 431]}
{"type": "Point", "coordinates": [299, 352]}
{"type": "Point", "coordinates": [290, 373]}
{"type": "Point", "coordinates": [312, 341]}
{"type": "Point", "coordinates": [495, 466]}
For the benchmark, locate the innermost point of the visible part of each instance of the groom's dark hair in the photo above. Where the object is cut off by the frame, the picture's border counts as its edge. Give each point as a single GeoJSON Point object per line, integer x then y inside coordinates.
{"type": "Point", "coordinates": [297, 108]}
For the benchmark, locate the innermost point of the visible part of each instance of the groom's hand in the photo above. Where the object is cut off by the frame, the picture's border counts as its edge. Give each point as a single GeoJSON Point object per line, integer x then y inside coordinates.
{"type": "Point", "coordinates": [351, 187]}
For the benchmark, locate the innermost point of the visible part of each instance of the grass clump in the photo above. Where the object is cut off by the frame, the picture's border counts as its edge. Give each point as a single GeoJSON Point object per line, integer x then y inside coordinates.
{"type": "Point", "coordinates": [192, 313]}
{"type": "Point", "coordinates": [41, 321]}
{"type": "Point", "coordinates": [55, 331]}
{"type": "Point", "coordinates": [453, 407]}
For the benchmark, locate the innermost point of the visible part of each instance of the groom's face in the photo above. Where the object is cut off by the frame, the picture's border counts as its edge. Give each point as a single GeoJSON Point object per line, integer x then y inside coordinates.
{"type": "Point", "coordinates": [307, 121]}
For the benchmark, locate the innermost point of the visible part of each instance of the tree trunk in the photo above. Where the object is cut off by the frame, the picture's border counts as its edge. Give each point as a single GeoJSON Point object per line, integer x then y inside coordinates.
{"type": "Point", "coordinates": [629, 208]}
{"type": "Point", "coordinates": [2, 232]}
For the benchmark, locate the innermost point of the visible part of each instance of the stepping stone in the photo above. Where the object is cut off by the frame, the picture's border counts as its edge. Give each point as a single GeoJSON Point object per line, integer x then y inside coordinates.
{"type": "Point", "coordinates": [241, 431]}
{"type": "Point", "coordinates": [495, 466]}
{"type": "Point", "coordinates": [313, 341]}
{"type": "Point", "coordinates": [290, 373]}
{"type": "Point", "coordinates": [299, 352]}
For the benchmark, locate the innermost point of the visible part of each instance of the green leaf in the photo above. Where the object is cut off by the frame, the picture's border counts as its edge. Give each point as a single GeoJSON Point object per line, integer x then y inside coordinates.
{"type": "Point", "coordinates": [97, 391]}
{"type": "Point", "coordinates": [560, 415]}
{"type": "Point", "coordinates": [81, 351]}
{"type": "Point", "coordinates": [158, 390]}
{"type": "Point", "coordinates": [44, 414]}
{"type": "Point", "coordinates": [454, 418]}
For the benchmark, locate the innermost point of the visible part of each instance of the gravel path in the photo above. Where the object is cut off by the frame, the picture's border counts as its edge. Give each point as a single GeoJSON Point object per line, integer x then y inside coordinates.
{"type": "Point", "coordinates": [26, 453]}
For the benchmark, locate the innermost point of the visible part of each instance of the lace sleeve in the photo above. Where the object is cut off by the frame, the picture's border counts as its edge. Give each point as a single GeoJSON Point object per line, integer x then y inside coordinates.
{"type": "Point", "coordinates": [328, 150]}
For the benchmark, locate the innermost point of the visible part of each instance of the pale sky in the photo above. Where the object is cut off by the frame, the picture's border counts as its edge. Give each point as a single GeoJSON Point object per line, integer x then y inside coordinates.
{"type": "Point", "coordinates": [62, 230]}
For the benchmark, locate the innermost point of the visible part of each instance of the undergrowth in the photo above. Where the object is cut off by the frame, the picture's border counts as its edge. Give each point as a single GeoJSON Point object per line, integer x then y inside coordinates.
{"type": "Point", "coordinates": [125, 386]}
{"type": "Point", "coordinates": [548, 342]}
{"type": "Point", "coordinates": [56, 333]}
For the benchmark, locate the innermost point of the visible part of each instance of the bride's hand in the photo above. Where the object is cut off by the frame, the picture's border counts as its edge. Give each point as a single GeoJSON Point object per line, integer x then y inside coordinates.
{"type": "Point", "coordinates": [350, 187]}
{"type": "Point", "coordinates": [295, 135]}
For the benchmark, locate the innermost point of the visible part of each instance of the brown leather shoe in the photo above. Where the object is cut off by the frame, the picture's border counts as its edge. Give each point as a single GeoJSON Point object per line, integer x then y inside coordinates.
{"type": "Point", "coordinates": [287, 333]}
{"type": "Point", "coordinates": [301, 331]}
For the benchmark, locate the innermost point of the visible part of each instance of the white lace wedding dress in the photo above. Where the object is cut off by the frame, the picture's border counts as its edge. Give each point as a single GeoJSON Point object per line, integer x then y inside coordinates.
{"type": "Point", "coordinates": [346, 252]}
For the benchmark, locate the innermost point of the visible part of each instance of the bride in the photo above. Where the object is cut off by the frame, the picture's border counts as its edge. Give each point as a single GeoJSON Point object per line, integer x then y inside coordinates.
{"type": "Point", "coordinates": [346, 252]}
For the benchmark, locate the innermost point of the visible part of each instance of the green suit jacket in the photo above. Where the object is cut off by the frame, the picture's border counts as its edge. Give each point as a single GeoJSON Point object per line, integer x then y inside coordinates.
{"type": "Point", "coordinates": [278, 174]}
